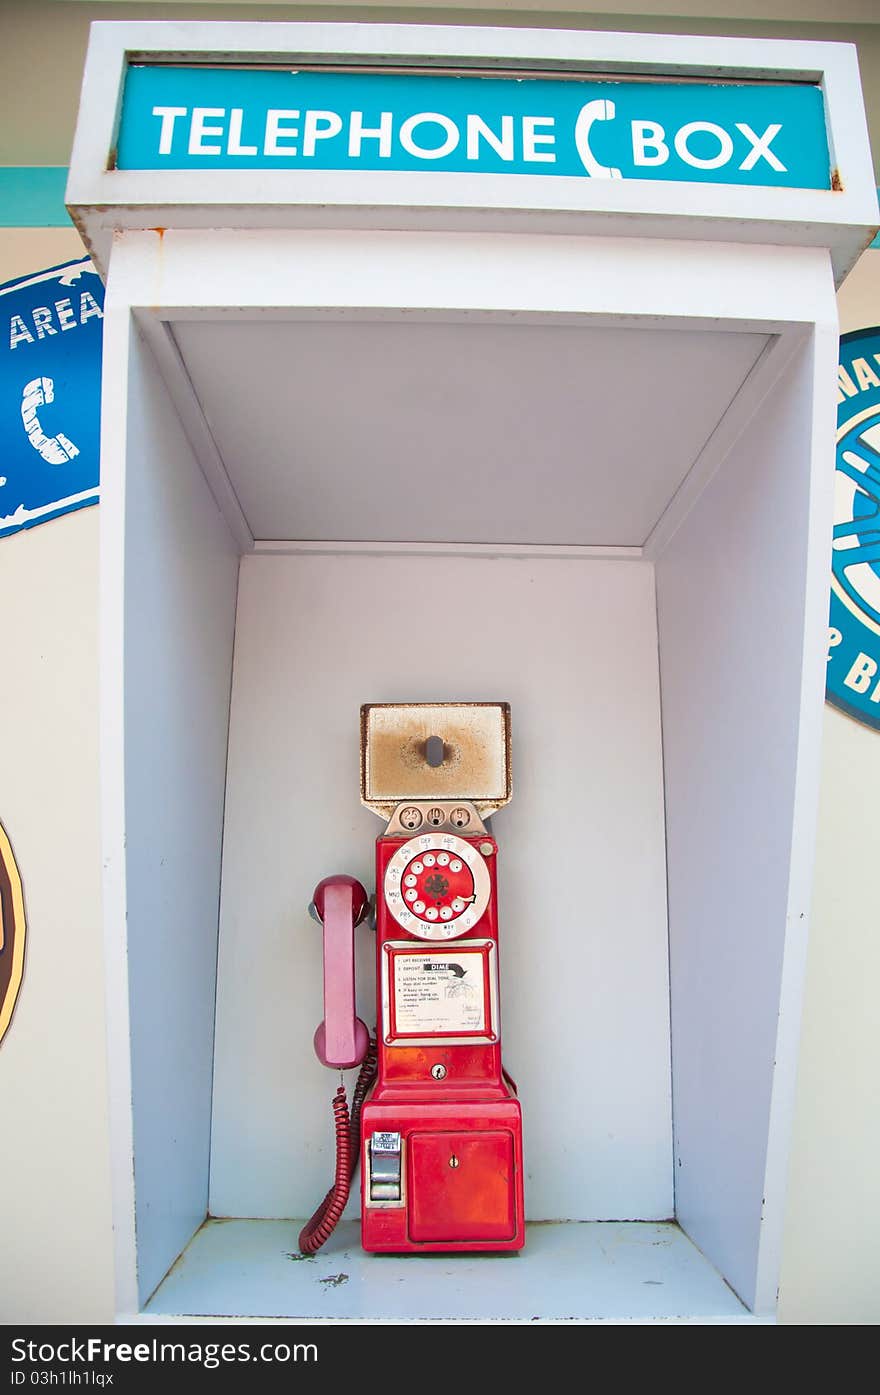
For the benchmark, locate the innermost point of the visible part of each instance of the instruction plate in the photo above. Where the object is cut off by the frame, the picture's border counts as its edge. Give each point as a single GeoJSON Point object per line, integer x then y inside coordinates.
{"type": "Point", "coordinates": [438, 993]}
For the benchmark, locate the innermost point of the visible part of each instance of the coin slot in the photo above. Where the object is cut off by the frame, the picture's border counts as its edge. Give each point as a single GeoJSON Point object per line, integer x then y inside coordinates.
{"type": "Point", "coordinates": [434, 751]}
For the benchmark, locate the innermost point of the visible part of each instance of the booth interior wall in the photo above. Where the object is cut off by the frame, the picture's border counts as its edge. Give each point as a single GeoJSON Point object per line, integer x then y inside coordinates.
{"type": "Point", "coordinates": [181, 572]}
{"type": "Point", "coordinates": [730, 604]}
{"type": "Point", "coordinates": [572, 645]}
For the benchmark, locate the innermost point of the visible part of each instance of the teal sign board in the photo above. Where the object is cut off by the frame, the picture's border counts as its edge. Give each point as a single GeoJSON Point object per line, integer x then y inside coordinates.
{"type": "Point", "coordinates": [230, 118]}
{"type": "Point", "coordinates": [50, 394]}
{"type": "Point", "coordinates": [853, 681]}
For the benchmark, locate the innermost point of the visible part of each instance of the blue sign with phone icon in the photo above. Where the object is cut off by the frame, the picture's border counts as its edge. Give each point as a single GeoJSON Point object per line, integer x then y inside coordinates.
{"type": "Point", "coordinates": [50, 394]}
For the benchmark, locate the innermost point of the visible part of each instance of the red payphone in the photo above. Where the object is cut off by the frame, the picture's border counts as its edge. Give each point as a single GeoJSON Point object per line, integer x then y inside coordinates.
{"type": "Point", "coordinates": [434, 1114]}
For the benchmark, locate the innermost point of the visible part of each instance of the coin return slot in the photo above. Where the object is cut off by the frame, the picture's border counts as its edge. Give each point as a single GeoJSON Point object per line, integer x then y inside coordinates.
{"type": "Point", "coordinates": [385, 1167]}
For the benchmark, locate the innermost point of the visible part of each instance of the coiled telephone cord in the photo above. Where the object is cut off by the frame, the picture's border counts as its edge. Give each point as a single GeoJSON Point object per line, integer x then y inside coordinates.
{"type": "Point", "coordinates": [348, 1143]}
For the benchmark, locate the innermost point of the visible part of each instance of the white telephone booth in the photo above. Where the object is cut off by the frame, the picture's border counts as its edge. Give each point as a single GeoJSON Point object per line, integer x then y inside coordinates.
{"type": "Point", "coordinates": [465, 364]}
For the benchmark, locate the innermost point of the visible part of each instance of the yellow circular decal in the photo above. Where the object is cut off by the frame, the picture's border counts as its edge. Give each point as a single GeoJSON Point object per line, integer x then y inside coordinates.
{"type": "Point", "coordinates": [12, 932]}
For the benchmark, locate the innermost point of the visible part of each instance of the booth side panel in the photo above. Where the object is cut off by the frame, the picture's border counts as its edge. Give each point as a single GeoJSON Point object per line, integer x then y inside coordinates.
{"type": "Point", "coordinates": [572, 645]}
{"type": "Point", "coordinates": [832, 1222]}
{"type": "Point", "coordinates": [824, 359]}
{"type": "Point", "coordinates": [181, 571]}
{"type": "Point", "coordinates": [731, 620]}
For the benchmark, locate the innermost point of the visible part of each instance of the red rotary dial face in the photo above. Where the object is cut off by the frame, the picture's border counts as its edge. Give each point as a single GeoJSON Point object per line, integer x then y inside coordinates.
{"type": "Point", "coordinates": [437, 886]}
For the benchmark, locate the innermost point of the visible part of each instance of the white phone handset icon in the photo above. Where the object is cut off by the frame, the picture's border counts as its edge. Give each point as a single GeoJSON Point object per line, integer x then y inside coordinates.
{"type": "Point", "coordinates": [55, 450]}
{"type": "Point", "coordinates": [599, 110]}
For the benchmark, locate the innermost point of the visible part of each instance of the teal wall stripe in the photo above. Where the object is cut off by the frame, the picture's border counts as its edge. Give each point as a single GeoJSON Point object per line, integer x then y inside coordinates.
{"type": "Point", "coordinates": [32, 196]}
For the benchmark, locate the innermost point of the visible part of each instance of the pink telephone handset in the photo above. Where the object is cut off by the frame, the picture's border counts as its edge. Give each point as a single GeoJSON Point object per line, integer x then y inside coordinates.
{"type": "Point", "coordinates": [342, 1039]}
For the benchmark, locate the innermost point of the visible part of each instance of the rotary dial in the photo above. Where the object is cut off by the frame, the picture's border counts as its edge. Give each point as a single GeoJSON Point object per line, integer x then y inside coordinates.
{"type": "Point", "coordinates": [437, 886]}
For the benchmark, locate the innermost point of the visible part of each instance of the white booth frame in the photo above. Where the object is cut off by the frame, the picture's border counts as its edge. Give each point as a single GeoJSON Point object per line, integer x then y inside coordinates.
{"type": "Point", "coordinates": [104, 199]}
{"type": "Point", "coordinates": [741, 609]}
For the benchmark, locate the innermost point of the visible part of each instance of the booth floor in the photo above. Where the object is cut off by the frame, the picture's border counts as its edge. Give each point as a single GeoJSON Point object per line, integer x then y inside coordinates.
{"type": "Point", "coordinates": [569, 1271]}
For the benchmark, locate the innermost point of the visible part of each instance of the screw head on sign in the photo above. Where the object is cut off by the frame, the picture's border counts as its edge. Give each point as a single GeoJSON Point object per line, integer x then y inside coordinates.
{"type": "Point", "coordinates": [438, 1071]}
{"type": "Point", "coordinates": [487, 849]}
{"type": "Point", "coordinates": [453, 1161]}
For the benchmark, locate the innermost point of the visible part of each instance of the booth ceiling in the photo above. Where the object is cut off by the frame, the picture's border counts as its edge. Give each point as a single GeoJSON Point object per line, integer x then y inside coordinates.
{"type": "Point", "coordinates": [405, 430]}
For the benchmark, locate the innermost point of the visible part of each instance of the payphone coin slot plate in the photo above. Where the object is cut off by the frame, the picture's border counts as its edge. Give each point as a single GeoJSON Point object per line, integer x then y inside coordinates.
{"type": "Point", "coordinates": [422, 751]}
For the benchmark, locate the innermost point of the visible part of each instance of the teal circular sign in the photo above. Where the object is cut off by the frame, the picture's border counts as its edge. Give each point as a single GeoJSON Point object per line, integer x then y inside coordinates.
{"type": "Point", "coordinates": [853, 678]}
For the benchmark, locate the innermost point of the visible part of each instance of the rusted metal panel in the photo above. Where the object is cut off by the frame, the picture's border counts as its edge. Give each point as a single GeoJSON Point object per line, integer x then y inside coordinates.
{"type": "Point", "coordinates": [400, 743]}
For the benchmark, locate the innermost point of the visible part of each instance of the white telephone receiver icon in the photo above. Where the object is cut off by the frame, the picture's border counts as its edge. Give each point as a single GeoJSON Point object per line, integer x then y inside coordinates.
{"type": "Point", "coordinates": [56, 450]}
{"type": "Point", "coordinates": [599, 110]}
